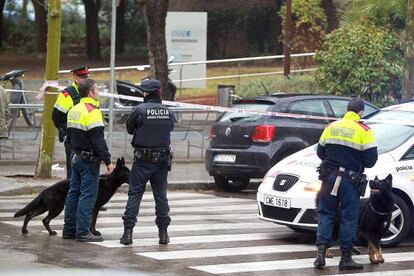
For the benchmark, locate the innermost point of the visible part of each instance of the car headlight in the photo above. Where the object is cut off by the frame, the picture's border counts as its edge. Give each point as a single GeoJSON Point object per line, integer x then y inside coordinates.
{"type": "Point", "coordinates": [268, 181]}
{"type": "Point", "coordinates": [314, 186]}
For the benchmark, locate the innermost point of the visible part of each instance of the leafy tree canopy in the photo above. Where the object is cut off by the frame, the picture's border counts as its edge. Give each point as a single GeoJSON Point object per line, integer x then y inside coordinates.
{"type": "Point", "coordinates": [361, 59]}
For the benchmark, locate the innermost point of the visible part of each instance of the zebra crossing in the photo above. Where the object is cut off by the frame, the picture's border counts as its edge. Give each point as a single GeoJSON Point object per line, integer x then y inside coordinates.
{"type": "Point", "coordinates": [213, 235]}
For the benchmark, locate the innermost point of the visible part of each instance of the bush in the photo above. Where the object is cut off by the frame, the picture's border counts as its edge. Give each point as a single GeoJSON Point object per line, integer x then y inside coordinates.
{"type": "Point", "coordinates": [295, 84]}
{"type": "Point", "coordinates": [361, 59]}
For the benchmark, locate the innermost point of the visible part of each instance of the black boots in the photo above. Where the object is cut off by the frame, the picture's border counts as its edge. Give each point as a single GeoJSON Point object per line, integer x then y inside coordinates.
{"type": "Point", "coordinates": [163, 235]}
{"type": "Point", "coordinates": [347, 263]}
{"type": "Point", "coordinates": [319, 262]}
{"type": "Point", "coordinates": [127, 237]}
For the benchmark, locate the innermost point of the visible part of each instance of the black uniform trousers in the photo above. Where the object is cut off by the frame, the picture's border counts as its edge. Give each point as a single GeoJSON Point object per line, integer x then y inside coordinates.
{"type": "Point", "coordinates": [156, 173]}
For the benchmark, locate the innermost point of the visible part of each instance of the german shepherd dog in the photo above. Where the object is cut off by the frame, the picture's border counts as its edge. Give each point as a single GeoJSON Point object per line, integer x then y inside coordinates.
{"type": "Point", "coordinates": [374, 218]}
{"type": "Point", "coordinates": [53, 198]}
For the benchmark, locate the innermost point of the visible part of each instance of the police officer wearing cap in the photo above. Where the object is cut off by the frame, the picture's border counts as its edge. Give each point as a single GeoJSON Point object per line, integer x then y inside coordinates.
{"type": "Point", "coordinates": [65, 101]}
{"type": "Point", "coordinates": [86, 133]}
{"type": "Point", "coordinates": [151, 124]}
{"type": "Point", "coordinates": [346, 148]}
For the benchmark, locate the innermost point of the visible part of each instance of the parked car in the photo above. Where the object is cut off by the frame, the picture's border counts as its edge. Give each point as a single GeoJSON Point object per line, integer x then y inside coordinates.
{"type": "Point", "coordinates": [287, 193]}
{"type": "Point", "coordinates": [244, 146]}
{"type": "Point", "coordinates": [400, 112]}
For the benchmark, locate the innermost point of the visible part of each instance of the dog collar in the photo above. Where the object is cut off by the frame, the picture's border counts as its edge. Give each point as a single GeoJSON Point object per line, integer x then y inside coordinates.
{"type": "Point", "coordinates": [375, 211]}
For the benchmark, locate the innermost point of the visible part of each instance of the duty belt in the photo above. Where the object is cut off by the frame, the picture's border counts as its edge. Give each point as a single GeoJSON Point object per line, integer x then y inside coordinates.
{"type": "Point", "coordinates": [352, 176]}
{"type": "Point", "coordinates": [85, 155]}
{"type": "Point", "coordinates": [154, 155]}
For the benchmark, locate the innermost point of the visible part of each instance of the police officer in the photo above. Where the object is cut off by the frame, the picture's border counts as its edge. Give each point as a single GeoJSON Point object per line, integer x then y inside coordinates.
{"type": "Point", "coordinates": [151, 124]}
{"type": "Point", "coordinates": [346, 147]}
{"type": "Point", "coordinates": [65, 101]}
{"type": "Point", "coordinates": [86, 133]}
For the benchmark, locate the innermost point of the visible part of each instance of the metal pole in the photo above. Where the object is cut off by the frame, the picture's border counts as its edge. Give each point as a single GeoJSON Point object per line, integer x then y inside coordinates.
{"type": "Point", "coordinates": [112, 88]}
{"type": "Point", "coordinates": [287, 40]}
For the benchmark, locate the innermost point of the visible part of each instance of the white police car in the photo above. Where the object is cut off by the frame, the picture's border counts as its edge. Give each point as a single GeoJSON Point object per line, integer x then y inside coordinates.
{"type": "Point", "coordinates": [287, 193]}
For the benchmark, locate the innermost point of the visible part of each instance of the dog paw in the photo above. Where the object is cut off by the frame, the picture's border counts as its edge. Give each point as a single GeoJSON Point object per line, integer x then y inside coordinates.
{"type": "Point", "coordinates": [24, 231]}
{"type": "Point", "coordinates": [329, 253]}
{"type": "Point", "coordinates": [53, 233]}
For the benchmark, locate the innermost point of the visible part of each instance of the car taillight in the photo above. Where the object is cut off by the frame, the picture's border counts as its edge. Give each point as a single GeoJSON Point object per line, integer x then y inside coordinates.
{"type": "Point", "coordinates": [211, 135]}
{"type": "Point", "coordinates": [263, 133]}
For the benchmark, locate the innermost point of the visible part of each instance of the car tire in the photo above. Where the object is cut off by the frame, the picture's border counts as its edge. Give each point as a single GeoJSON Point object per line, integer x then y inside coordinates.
{"type": "Point", "coordinates": [231, 185]}
{"type": "Point", "coordinates": [400, 223]}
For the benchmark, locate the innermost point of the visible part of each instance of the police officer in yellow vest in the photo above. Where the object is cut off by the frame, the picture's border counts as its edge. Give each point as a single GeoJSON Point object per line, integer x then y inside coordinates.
{"type": "Point", "coordinates": [346, 148]}
{"type": "Point", "coordinates": [86, 133]}
{"type": "Point", "coordinates": [65, 101]}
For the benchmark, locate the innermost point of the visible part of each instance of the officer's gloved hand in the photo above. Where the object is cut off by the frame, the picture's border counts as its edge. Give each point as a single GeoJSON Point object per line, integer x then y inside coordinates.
{"type": "Point", "coordinates": [62, 134]}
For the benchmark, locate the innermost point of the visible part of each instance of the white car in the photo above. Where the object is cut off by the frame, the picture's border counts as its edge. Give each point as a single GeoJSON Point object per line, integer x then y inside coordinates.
{"type": "Point", "coordinates": [287, 193]}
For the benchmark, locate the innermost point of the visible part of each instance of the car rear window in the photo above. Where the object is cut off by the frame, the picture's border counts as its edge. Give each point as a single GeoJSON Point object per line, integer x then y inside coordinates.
{"type": "Point", "coordinates": [246, 105]}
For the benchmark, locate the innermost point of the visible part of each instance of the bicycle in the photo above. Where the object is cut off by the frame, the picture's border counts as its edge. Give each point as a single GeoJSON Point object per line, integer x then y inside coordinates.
{"type": "Point", "coordinates": [18, 98]}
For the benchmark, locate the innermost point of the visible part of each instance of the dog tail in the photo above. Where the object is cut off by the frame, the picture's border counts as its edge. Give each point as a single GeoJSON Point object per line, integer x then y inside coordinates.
{"type": "Point", "coordinates": [29, 207]}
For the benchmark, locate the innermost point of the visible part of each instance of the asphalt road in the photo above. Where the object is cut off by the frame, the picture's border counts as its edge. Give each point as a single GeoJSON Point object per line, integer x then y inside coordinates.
{"type": "Point", "coordinates": [211, 233]}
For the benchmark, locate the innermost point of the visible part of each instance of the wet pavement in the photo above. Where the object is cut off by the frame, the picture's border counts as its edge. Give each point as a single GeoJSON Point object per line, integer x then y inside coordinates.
{"type": "Point", "coordinates": [210, 233]}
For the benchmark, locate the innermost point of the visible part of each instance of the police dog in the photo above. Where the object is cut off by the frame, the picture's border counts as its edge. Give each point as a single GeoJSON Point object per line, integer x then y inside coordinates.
{"type": "Point", "coordinates": [53, 198]}
{"type": "Point", "coordinates": [375, 216]}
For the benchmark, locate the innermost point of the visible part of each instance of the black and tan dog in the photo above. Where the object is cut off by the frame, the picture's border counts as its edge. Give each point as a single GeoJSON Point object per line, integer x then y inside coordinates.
{"type": "Point", "coordinates": [53, 198]}
{"type": "Point", "coordinates": [375, 216]}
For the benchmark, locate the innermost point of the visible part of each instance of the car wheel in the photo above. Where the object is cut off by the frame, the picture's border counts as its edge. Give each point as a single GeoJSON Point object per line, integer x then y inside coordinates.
{"type": "Point", "coordinates": [231, 185]}
{"type": "Point", "coordinates": [400, 223]}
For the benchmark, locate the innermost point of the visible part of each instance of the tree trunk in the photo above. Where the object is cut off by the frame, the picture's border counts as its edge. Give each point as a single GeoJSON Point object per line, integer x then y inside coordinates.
{"type": "Point", "coordinates": [331, 14]}
{"type": "Point", "coordinates": [41, 24]}
{"type": "Point", "coordinates": [44, 161]}
{"type": "Point", "coordinates": [93, 44]}
{"type": "Point", "coordinates": [155, 14]}
{"type": "Point", "coordinates": [120, 26]}
{"type": "Point", "coordinates": [2, 3]}
{"type": "Point", "coordinates": [409, 54]}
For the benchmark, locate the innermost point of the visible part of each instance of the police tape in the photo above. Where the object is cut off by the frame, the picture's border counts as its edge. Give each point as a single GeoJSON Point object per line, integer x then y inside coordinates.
{"type": "Point", "coordinates": [42, 91]}
{"type": "Point", "coordinates": [220, 108]}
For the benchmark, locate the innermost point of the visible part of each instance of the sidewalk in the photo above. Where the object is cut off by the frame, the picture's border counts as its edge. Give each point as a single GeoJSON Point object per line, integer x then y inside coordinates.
{"type": "Point", "coordinates": [17, 179]}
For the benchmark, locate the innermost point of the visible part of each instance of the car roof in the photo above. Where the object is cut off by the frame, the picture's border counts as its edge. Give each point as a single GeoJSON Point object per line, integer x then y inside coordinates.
{"type": "Point", "coordinates": [408, 106]}
{"type": "Point", "coordinates": [283, 97]}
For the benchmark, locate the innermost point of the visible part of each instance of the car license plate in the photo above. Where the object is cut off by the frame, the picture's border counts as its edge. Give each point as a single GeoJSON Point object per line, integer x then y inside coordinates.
{"type": "Point", "coordinates": [225, 158]}
{"type": "Point", "coordinates": [277, 201]}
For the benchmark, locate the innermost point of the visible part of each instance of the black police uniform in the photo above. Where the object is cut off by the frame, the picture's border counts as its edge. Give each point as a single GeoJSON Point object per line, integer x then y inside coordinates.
{"type": "Point", "coordinates": [151, 124]}
{"type": "Point", "coordinates": [68, 98]}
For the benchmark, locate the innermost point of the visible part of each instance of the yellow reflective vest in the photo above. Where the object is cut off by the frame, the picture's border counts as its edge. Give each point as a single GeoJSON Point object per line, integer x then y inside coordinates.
{"type": "Point", "coordinates": [348, 143]}
{"type": "Point", "coordinates": [86, 129]}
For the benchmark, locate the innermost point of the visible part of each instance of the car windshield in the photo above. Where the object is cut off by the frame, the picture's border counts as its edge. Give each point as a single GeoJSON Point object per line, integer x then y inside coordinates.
{"type": "Point", "coordinates": [392, 115]}
{"type": "Point", "coordinates": [390, 136]}
{"type": "Point", "coordinates": [236, 116]}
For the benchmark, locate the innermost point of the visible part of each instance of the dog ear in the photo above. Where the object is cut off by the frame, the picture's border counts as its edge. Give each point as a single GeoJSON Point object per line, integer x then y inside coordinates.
{"type": "Point", "coordinates": [123, 161]}
{"type": "Point", "coordinates": [118, 163]}
{"type": "Point", "coordinates": [376, 178]}
{"type": "Point", "coordinates": [389, 178]}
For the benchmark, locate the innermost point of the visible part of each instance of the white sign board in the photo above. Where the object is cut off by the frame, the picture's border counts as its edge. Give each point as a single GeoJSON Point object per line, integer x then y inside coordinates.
{"type": "Point", "coordinates": [186, 35]}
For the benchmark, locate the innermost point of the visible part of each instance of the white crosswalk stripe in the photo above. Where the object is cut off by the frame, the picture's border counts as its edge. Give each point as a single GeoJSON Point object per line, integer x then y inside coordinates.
{"type": "Point", "coordinates": [210, 234]}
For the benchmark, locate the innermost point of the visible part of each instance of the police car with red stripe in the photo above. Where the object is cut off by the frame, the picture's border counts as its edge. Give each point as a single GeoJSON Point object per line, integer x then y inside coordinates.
{"type": "Point", "coordinates": [287, 193]}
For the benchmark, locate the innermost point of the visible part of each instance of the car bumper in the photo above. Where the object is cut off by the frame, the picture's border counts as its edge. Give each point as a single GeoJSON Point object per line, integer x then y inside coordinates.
{"type": "Point", "coordinates": [253, 162]}
{"type": "Point", "coordinates": [300, 214]}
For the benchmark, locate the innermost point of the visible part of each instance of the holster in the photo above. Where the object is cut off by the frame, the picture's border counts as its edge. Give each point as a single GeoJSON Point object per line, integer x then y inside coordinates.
{"type": "Point", "coordinates": [93, 159]}
{"type": "Point", "coordinates": [156, 156]}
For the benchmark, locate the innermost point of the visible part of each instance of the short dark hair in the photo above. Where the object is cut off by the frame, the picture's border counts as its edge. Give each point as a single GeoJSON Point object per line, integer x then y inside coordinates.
{"type": "Point", "coordinates": [356, 105]}
{"type": "Point", "coordinates": [85, 86]}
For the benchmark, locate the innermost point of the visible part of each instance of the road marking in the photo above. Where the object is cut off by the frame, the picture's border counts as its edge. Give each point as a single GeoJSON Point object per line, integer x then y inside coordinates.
{"type": "Point", "coordinates": [192, 239]}
{"type": "Point", "coordinates": [293, 264]}
{"type": "Point", "coordinates": [232, 251]}
{"type": "Point", "coordinates": [408, 272]}
{"type": "Point", "coordinates": [186, 202]}
{"type": "Point", "coordinates": [106, 220]}
{"type": "Point", "coordinates": [188, 227]}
